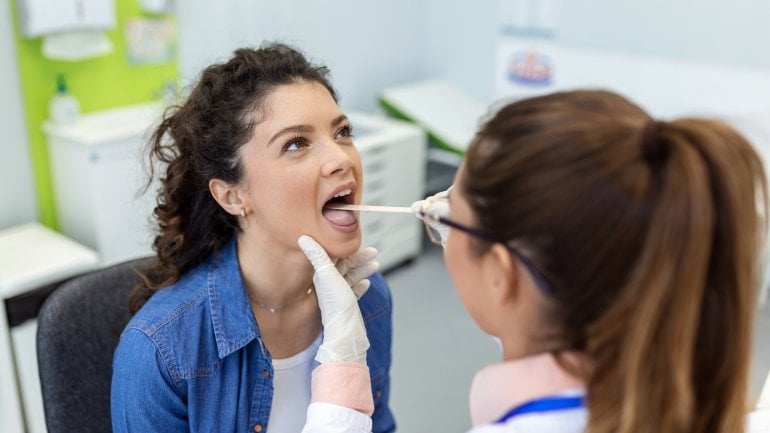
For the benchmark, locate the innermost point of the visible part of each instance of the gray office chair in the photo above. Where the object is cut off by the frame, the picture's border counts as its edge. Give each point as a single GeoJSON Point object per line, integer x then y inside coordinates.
{"type": "Point", "coordinates": [79, 327]}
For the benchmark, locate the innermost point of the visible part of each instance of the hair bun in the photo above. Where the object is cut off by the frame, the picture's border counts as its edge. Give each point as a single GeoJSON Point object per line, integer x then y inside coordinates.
{"type": "Point", "coordinates": [654, 149]}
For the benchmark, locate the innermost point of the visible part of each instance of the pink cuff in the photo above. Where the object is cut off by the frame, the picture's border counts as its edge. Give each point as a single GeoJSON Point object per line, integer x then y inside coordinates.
{"type": "Point", "coordinates": [345, 384]}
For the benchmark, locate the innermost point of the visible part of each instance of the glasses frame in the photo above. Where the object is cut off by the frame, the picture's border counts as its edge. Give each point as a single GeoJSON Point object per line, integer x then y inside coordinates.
{"type": "Point", "coordinates": [428, 217]}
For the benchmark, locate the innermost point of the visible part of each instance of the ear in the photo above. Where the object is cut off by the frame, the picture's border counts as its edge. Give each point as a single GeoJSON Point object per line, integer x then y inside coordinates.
{"type": "Point", "coordinates": [503, 273]}
{"type": "Point", "coordinates": [228, 196]}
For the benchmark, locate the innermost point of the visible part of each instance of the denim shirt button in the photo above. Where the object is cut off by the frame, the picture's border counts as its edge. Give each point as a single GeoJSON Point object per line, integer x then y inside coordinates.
{"type": "Point", "coordinates": [265, 373]}
{"type": "Point", "coordinates": [377, 394]}
{"type": "Point", "coordinates": [257, 427]}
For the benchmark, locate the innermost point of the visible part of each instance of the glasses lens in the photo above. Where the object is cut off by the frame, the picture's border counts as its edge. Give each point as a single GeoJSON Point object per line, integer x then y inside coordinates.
{"type": "Point", "coordinates": [433, 228]}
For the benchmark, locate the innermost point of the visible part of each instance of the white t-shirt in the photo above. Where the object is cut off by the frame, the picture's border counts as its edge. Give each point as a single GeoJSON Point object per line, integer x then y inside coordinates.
{"type": "Point", "coordinates": [758, 421]}
{"type": "Point", "coordinates": [291, 390]}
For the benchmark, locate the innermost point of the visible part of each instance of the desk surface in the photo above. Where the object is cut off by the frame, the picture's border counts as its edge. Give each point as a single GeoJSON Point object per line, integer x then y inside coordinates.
{"type": "Point", "coordinates": [32, 256]}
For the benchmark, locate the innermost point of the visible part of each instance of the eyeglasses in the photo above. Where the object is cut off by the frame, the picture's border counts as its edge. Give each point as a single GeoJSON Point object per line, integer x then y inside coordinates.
{"type": "Point", "coordinates": [437, 227]}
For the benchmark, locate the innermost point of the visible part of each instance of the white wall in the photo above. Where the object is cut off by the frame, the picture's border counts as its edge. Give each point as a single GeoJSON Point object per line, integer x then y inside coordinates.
{"type": "Point", "coordinates": [17, 197]}
{"type": "Point", "coordinates": [462, 34]}
{"type": "Point", "coordinates": [733, 33]}
{"type": "Point", "coordinates": [367, 45]}
{"type": "Point", "coordinates": [461, 38]}
{"type": "Point", "coordinates": [674, 57]}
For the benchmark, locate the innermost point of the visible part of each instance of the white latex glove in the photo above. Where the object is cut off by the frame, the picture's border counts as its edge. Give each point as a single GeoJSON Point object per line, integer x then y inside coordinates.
{"type": "Point", "coordinates": [438, 204]}
{"type": "Point", "coordinates": [357, 268]}
{"type": "Point", "coordinates": [344, 336]}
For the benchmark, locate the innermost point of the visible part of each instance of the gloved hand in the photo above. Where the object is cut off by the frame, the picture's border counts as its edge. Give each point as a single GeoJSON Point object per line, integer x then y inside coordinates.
{"type": "Point", "coordinates": [357, 267]}
{"type": "Point", "coordinates": [438, 204]}
{"type": "Point", "coordinates": [344, 336]}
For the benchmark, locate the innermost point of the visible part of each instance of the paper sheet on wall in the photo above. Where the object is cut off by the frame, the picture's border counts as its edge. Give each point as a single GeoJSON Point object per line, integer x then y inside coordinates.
{"type": "Point", "coordinates": [526, 62]}
{"type": "Point", "coordinates": [150, 41]}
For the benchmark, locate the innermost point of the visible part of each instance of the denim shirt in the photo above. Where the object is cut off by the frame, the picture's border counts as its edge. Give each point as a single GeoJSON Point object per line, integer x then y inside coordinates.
{"type": "Point", "coordinates": [192, 359]}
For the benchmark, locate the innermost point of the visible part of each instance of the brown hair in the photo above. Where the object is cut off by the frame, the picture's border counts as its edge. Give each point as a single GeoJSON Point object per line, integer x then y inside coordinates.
{"type": "Point", "coordinates": [648, 233]}
{"type": "Point", "coordinates": [199, 141]}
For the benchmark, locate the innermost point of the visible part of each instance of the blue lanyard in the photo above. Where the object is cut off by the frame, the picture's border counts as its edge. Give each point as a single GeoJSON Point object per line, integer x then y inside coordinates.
{"type": "Point", "coordinates": [546, 404]}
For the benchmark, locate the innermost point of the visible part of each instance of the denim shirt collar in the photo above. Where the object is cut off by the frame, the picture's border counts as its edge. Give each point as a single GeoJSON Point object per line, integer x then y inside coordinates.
{"type": "Point", "coordinates": [231, 314]}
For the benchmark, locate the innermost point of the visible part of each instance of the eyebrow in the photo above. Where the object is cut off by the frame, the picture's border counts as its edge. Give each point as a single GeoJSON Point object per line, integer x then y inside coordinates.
{"type": "Point", "coordinates": [339, 120]}
{"type": "Point", "coordinates": [305, 129]}
{"type": "Point", "coordinates": [295, 129]}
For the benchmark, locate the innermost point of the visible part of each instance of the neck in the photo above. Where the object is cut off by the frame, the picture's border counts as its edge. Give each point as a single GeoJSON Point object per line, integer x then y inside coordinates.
{"type": "Point", "coordinates": [524, 328]}
{"type": "Point", "coordinates": [275, 275]}
{"type": "Point", "coordinates": [517, 348]}
{"type": "Point", "coordinates": [525, 334]}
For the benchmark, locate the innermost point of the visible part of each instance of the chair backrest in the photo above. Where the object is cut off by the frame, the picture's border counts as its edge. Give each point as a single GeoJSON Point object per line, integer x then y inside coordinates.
{"type": "Point", "coordinates": [79, 327]}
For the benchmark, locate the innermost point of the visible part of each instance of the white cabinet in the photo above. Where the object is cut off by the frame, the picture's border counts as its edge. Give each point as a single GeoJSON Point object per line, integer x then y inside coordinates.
{"type": "Point", "coordinates": [97, 171]}
{"type": "Point", "coordinates": [31, 257]}
{"type": "Point", "coordinates": [393, 154]}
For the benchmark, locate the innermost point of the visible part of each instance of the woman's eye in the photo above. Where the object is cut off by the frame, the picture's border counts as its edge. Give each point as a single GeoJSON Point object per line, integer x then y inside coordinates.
{"type": "Point", "coordinates": [345, 132]}
{"type": "Point", "coordinates": [294, 145]}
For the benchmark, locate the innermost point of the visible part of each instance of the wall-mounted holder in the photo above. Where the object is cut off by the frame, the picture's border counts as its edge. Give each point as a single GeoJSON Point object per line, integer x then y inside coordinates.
{"type": "Point", "coordinates": [72, 30]}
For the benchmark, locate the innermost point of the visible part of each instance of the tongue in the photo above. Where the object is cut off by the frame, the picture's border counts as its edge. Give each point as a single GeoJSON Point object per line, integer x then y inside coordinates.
{"type": "Point", "coordinates": [339, 217]}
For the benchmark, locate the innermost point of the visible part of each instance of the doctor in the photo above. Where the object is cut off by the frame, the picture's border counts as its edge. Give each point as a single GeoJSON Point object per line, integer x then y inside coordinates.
{"type": "Point", "coordinates": [615, 257]}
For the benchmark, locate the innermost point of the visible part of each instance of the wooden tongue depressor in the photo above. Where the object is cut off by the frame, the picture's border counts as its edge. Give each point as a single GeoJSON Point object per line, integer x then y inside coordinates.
{"type": "Point", "coordinates": [361, 207]}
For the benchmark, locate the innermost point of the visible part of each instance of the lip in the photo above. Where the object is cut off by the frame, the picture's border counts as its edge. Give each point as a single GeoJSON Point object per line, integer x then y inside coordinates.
{"type": "Point", "coordinates": [342, 187]}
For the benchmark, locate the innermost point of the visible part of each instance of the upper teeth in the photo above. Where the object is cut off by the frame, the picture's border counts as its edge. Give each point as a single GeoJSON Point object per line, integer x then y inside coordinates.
{"type": "Point", "coordinates": [343, 193]}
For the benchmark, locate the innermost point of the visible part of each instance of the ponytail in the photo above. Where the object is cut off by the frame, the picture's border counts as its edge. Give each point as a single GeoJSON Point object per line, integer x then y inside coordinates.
{"type": "Point", "coordinates": [674, 347]}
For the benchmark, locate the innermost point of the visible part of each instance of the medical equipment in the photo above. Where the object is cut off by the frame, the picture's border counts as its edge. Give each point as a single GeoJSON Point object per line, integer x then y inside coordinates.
{"type": "Point", "coordinates": [443, 109]}
{"type": "Point", "coordinates": [371, 208]}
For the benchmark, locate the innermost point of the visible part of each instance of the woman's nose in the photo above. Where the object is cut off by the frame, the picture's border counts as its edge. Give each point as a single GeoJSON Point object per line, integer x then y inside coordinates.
{"type": "Point", "coordinates": [336, 160]}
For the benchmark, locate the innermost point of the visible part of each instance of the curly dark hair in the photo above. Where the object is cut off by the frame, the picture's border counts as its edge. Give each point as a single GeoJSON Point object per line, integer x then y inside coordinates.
{"type": "Point", "coordinates": [199, 141]}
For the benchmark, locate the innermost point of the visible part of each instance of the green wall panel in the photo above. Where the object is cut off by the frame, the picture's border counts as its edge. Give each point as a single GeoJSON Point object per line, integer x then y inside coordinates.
{"type": "Point", "coordinates": [98, 83]}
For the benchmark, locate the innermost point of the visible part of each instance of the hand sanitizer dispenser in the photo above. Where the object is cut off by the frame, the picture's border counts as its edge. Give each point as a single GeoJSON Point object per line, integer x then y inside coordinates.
{"type": "Point", "coordinates": [64, 108]}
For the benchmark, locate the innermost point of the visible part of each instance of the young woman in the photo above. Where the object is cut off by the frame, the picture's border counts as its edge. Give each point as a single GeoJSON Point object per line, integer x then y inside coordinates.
{"type": "Point", "coordinates": [227, 339]}
{"type": "Point", "coordinates": [615, 257]}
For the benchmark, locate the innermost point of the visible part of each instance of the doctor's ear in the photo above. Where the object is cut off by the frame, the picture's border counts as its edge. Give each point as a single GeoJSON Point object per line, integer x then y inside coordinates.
{"type": "Point", "coordinates": [228, 196]}
{"type": "Point", "coordinates": [505, 273]}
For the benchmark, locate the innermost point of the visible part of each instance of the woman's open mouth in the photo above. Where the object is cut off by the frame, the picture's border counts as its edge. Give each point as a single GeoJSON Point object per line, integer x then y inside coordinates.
{"type": "Point", "coordinates": [341, 220]}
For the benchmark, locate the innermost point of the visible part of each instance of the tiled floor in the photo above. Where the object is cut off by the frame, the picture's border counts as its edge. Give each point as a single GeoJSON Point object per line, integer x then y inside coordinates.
{"type": "Point", "coordinates": [437, 349]}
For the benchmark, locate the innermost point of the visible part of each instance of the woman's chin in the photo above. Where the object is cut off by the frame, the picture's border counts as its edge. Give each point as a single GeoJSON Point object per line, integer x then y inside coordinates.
{"type": "Point", "coordinates": [342, 248]}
